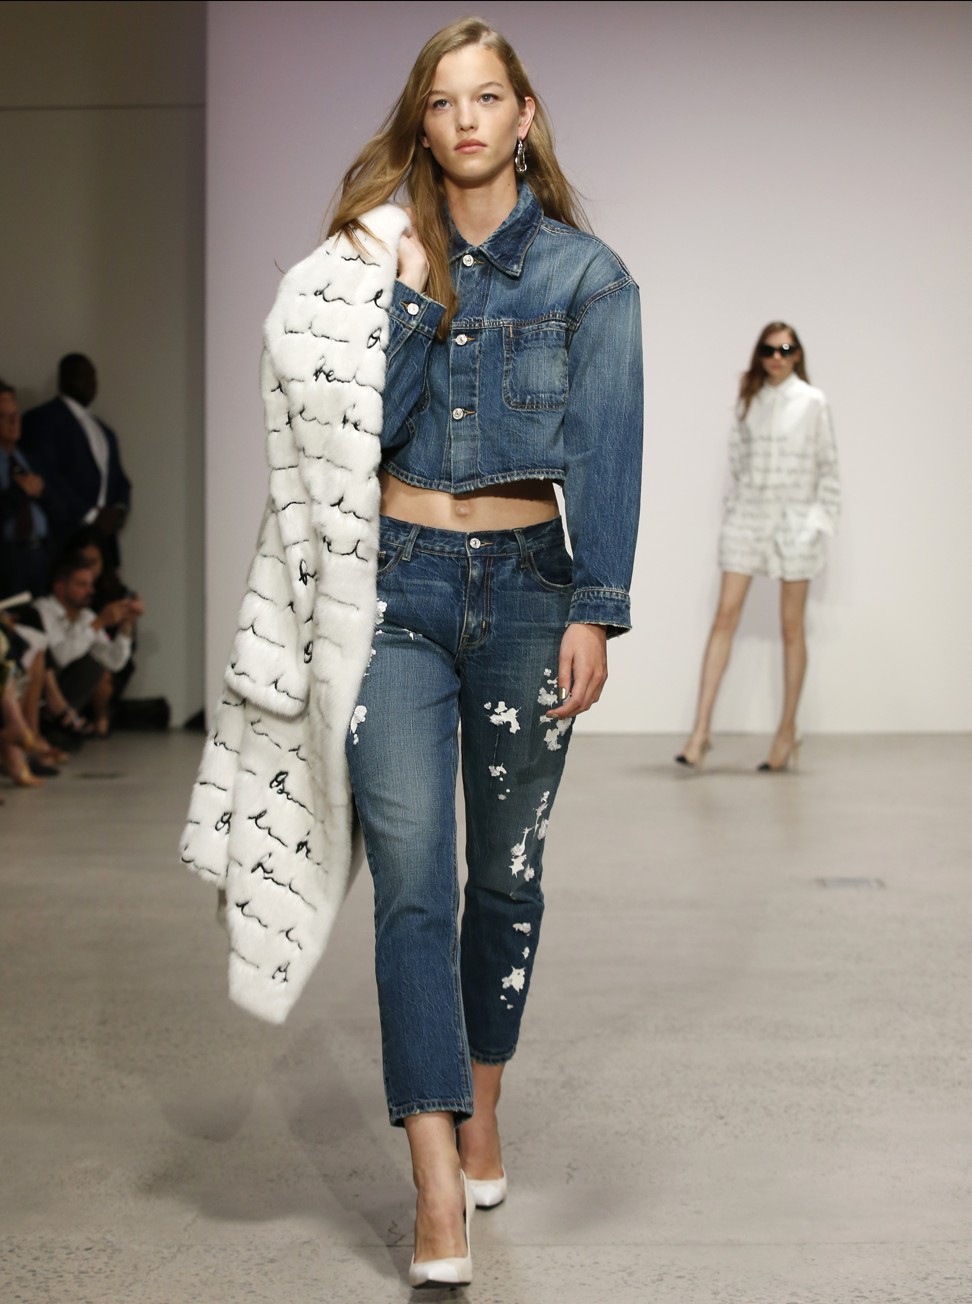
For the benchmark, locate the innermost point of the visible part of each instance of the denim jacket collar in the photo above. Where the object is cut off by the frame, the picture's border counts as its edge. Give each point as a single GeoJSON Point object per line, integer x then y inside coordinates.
{"type": "Point", "coordinates": [506, 247]}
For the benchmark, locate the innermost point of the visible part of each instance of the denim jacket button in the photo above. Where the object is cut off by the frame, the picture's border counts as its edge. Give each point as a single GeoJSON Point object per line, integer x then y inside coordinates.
{"type": "Point", "coordinates": [467, 260]}
{"type": "Point", "coordinates": [457, 414]}
{"type": "Point", "coordinates": [462, 339]}
{"type": "Point", "coordinates": [411, 309]}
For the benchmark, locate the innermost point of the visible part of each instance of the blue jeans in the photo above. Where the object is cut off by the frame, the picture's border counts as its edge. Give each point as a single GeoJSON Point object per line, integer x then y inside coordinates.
{"type": "Point", "coordinates": [469, 634]}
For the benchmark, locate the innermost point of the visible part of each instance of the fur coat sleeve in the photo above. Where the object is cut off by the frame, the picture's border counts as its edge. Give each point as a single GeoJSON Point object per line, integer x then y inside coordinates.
{"type": "Point", "coordinates": [271, 815]}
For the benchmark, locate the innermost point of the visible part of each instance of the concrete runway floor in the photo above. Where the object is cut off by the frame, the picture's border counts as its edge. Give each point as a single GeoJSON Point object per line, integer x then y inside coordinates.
{"type": "Point", "coordinates": [744, 1076]}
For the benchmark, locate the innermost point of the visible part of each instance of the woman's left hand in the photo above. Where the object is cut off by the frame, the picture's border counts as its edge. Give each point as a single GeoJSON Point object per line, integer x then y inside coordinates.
{"type": "Point", "coordinates": [582, 669]}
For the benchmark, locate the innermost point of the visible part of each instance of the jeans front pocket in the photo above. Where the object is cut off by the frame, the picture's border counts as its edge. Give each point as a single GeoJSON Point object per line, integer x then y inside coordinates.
{"type": "Point", "coordinates": [390, 553]}
{"type": "Point", "coordinates": [552, 568]}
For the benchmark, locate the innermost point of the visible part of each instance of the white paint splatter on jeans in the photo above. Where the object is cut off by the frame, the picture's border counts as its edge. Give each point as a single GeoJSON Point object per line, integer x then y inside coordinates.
{"type": "Point", "coordinates": [515, 979]}
{"type": "Point", "coordinates": [504, 715]}
{"type": "Point", "coordinates": [357, 718]}
{"type": "Point", "coordinates": [548, 694]}
{"type": "Point", "coordinates": [554, 734]}
{"type": "Point", "coordinates": [519, 857]}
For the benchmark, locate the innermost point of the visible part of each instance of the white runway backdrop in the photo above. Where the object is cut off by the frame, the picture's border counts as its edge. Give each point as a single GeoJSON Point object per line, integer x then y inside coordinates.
{"type": "Point", "coordinates": [749, 162]}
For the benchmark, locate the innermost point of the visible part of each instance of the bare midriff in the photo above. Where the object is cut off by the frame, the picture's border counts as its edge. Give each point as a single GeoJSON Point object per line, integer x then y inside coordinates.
{"type": "Point", "coordinates": [497, 507]}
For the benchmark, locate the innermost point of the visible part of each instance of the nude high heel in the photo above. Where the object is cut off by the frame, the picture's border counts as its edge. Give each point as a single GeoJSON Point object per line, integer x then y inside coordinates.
{"type": "Point", "coordinates": [447, 1272]}
{"type": "Point", "coordinates": [682, 759]}
{"type": "Point", "coordinates": [792, 761]}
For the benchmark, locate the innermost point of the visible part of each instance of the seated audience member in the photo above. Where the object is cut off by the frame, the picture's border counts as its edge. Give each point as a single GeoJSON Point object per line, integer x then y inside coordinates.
{"type": "Point", "coordinates": [25, 756]}
{"type": "Point", "coordinates": [83, 656]}
{"type": "Point", "coordinates": [27, 508]}
{"type": "Point", "coordinates": [109, 587]}
{"type": "Point", "coordinates": [109, 584]}
{"type": "Point", "coordinates": [79, 455]}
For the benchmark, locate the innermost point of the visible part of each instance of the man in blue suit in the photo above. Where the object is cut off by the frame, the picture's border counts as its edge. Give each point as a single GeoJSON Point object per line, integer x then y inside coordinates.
{"type": "Point", "coordinates": [78, 456]}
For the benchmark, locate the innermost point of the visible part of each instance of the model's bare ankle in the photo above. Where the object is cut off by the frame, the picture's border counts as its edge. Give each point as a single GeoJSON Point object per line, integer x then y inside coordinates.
{"type": "Point", "coordinates": [439, 1209]}
{"type": "Point", "coordinates": [479, 1146]}
{"type": "Point", "coordinates": [696, 746]}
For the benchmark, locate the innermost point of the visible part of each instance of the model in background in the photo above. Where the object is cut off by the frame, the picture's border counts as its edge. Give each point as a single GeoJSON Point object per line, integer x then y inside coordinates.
{"type": "Point", "coordinates": [785, 497]}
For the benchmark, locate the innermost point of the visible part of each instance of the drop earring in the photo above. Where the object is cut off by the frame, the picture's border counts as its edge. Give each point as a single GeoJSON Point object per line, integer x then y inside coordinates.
{"type": "Point", "coordinates": [519, 158]}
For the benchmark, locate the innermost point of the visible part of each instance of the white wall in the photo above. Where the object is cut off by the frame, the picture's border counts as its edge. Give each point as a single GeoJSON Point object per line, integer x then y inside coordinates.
{"type": "Point", "coordinates": [101, 136]}
{"type": "Point", "coordinates": [749, 161]}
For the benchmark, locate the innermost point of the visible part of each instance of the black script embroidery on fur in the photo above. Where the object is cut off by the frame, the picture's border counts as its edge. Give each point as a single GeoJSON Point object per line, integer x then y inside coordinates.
{"type": "Point", "coordinates": [309, 904]}
{"type": "Point", "coordinates": [267, 872]}
{"type": "Point", "coordinates": [336, 552]}
{"type": "Point", "coordinates": [278, 784]}
{"type": "Point", "coordinates": [349, 511]}
{"type": "Point", "coordinates": [333, 298]}
{"type": "Point", "coordinates": [276, 684]}
{"type": "Point", "coordinates": [264, 828]}
{"type": "Point", "coordinates": [252, 629]}
{"type": "Point", "coordinates": [321, 379]}
{"type": "Point", "coordinates": [241, 907]}
{"type": "Point", "coordinates": [285, 932]}
{"type": "Point", "coordinates": [262, 733]}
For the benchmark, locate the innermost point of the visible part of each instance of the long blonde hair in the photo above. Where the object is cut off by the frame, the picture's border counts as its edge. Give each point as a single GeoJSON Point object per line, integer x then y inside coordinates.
{"type": "Point", "coordinates": [394, 160]}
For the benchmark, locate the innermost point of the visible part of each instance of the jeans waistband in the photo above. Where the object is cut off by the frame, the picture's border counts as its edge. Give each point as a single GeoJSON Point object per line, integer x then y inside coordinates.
{"type": "Point", "coordinates": [471, 543]}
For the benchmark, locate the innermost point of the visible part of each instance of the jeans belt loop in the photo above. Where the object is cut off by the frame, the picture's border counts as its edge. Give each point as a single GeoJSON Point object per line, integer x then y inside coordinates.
{"type": "Point", "coordinates": [524, 547]}
{"type": "Point", "coordinates": [413, 534]}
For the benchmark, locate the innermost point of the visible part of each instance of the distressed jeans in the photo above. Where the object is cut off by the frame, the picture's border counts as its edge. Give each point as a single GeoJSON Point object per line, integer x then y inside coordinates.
{"type": "Point", "coordinates": [468, 634]}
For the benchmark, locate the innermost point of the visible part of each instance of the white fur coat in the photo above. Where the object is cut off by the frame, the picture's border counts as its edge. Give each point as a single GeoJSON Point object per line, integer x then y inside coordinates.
{"type": "Point", "coordinates": [271, 814]}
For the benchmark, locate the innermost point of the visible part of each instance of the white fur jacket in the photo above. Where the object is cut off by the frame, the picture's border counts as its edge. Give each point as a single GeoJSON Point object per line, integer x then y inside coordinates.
{"type": "Point", "coordinates": [271, 814]}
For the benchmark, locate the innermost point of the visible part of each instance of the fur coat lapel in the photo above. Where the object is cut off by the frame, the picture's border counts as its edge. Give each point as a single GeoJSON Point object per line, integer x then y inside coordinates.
{"type": "Point", "coordinates": [271, 814]}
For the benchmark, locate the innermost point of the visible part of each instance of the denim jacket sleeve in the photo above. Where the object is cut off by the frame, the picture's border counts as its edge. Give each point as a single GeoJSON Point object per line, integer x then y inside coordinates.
{"type": "Point", "coordinates": [602, 455]}
{"type": "Point", "coordinates": [413, 320]}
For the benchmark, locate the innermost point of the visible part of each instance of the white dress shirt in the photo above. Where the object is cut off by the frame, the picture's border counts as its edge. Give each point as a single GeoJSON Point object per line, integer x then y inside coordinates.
{"type": "Point", "coordinates": [785, 495]}
{"type": "Point", "coordinates": [98, 443]}
{"type": "Point", "coordinates": [69, 639]}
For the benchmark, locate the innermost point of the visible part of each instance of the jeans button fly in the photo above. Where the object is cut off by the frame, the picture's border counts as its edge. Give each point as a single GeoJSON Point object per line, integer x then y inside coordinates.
{"type": "Point", "coordinates": [475, 543]}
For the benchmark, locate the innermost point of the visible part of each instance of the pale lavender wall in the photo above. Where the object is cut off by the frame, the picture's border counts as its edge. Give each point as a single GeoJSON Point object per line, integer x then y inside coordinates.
{"type": "Point", "coordinates": [748, 161]}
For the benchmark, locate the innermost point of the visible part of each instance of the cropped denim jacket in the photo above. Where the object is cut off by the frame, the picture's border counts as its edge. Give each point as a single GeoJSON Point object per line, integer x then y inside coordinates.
{"type": "Point", "coordinates": [540, 379]}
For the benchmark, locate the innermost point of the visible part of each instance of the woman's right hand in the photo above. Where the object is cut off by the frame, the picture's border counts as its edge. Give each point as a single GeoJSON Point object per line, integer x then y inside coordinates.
{"type": "Point", "coordinates": [413, 263]}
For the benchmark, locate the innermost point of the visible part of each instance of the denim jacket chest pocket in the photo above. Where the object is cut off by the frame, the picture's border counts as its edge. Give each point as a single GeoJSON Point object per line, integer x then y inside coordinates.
{"type": "Point", "coordinates": [535, 366]}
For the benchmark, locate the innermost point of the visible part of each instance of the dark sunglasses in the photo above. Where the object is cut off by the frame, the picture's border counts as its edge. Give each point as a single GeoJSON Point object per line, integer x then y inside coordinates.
{"type": "Point", "coordinates": [784, 350]}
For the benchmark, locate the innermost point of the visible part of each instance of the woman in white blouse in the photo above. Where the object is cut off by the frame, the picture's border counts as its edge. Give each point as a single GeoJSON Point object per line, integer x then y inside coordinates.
{"type": "Point", "coordinates": [785, 497]}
